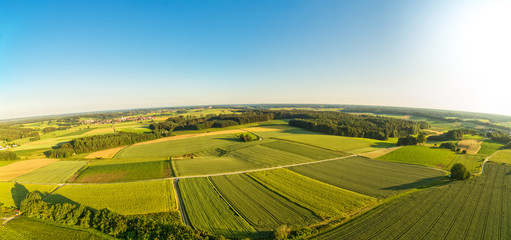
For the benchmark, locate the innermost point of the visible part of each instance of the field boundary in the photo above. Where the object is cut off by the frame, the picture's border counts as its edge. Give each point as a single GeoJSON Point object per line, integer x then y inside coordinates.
{"type": "Point", "coordinates": [484, 163]}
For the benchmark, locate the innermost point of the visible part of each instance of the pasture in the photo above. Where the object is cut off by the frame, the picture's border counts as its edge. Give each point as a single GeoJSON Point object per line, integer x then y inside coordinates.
{"type": "Point", "coordinates": [380, 179]}
{"type": "Point", "coordinates": [123, 198]}
{"type": "Point", "coordinates": [18, 168]}
{"type": "Point", "coordinates": [30, 228]}
{"type": "Point", "coordinates": [489, 147]}
{"type": "Point", "coordinates": [11, 194]}
{"type": "Point", "coordinates": [420, 155]}
{"type": "Point", "coordinates": [207, 210]}
{"type": "Point", "coordinates": [112, 171]}
{"type": "Point", "coordinates": [473, 209]}
{"type": "Point", "coordinates": [57, 172]}
{"type": "Point", "coordinates": [325, 200]}
{"type": "Point", "coordinates": [263, 209]}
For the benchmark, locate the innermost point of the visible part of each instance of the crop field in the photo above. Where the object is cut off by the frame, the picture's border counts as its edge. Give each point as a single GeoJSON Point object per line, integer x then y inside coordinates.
{"type": "Point", "coordinates": [471, 145]}
{"type": "Point", "coordinates": [107, 153]}
{"type": "Point", "coordinates": [303, 150]}
{"type": "Point", "coordinates": [30, 228]}
{"type": "Point", "coordinates": [77, 132]}
{"type": "Point", "coordinates": [379, 153]}
{"type": "Point", "coordinates": [266, 157]}
{"type": "Point", "coordinates": [434, 157]}
{"type": "Point", "coordinates": [474, 209]}
{"type": "Point", "coordinates": [263, 209]}
{"type": "Point", "coordinates": [57, 172]}
{"type": "Point", "coordinates": [323, 199]}
{"type": "Point", "coordinates": [339, 143]}
{"type": "Point", "coordinates": [120, 172]}
{"type": "Point", "coordinates": [18, 168]}
{"type": "Point", "coordinates": [11, 194]}
{"type": "Point", "coordinates": [370, 177]}
{"type": "Point", "coordinates": [210, 165]}
{"type": "Point", "coordinates": [472, 162]}
{"type": "Point", "coordinates": [489, 147]}
{"type": "Point", "coordinates": [503, 156]}
{"type": "Point", "coordinates": [207, 210]}
{"type": "Point", "coordinates": [124, 198]}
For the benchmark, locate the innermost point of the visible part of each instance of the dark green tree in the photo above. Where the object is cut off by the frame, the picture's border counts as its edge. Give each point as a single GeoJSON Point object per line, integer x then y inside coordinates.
{"type": "Point", "coordinates": [459, 172]}
{"type": "Point", "coordinates": [422, 137]}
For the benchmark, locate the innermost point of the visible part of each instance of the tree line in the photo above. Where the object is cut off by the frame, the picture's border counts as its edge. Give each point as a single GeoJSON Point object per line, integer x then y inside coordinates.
{"type": "Point", "coordinates": [151, 226]}
{"type": "Point", "coordinates": [8, 155]}
{"type": "Point", "coordinates": [451, 135]}
{"type": "Point", "coordinates": [501, 137]}
{"type": "Point", "coordinates": [10, 133]}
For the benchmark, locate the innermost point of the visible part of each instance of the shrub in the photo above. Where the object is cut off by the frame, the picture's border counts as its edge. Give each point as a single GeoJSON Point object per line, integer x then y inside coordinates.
{"type": "Point", "coordinates": [459, 172]}
{"type": "Point", "coordinates": [410, 140]}
{"type": "Point", "coordinates": [282, 232]}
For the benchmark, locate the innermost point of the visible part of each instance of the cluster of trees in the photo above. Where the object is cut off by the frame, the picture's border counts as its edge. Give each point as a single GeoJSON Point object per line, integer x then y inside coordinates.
{"type": "Point", "coordinates": [459, 172]}
{"type": "Point", "coordinates": [211, 121]}
{"type": "Point", "coordinates": [247, 137]}
{"type": "Point", "coordinates": [8, 155]}
{"type": "Point", "coordinates": [10, 133]}
{"type": "Point", "coordinates": [367, 126]}
{"type": "Point", "coordinates": [411, 140]}
{"type": "Point", "coordinates": [154, 226]}
{"type": "Point", "coordinates": [451, 135]}
{"type": "Point", "coordinates": [501, 137]}
{"type": "Point", "coordinates": [99, 142]}
{"type": "Point", "coordinates": [49, 129]}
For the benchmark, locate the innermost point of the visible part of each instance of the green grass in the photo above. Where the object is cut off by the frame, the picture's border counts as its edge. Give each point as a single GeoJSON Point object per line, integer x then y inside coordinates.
{"type": "Point", "coordinates": [474, 209]}
{"type": "Point", "coordinates": [78, 132]}
{"type": "Point", "coordinates": [267, 157]}
{"type": "Point", "coordinates": [123, 198]}
{"type": "Point", "coordinates": [57, 172]}
{"type": "Point", "coordinates": [123, 172]}
{"type": "Point", "coordinates": [178, 147]}
{"type": "Point", "coordinates": [11, 194]}
{"type": "Point", "coordinates": [489, 147]}
{"type": "Point", "coordinates": [210, 165]}
{"type": "Point", "coordinates": [427, 156]}
{"type": "Point", "coordinates": [303, 150]}
{"type": "Point", "coordinates": [503, 156]}
{"type": "Point", "coordinates": [30, 228]}
{"type": "Point", "coordinates": [207, 210]}
{"type": "Point", "coordinates": [324, 200]}
{"type": "Point", "coordinates": [374, 178]}
{"type": "Point", "coordinates": [340, 143]}
{"type": "Point", "coordinates": [262, 208]}
{"type": "Point", "coordinates": [472, 162]}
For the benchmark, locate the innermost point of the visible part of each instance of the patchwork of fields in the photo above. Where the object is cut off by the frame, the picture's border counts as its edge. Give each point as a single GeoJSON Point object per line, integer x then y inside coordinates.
{"type": "Point", "coordinates": [19, 168]}
{"type": "Point", "coordinates": [475, 209]}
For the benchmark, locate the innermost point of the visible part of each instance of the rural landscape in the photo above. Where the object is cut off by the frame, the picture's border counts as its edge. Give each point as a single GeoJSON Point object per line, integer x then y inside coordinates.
{"type": "Point", "coordinates": [257, 172]}
{"type": "Point", "coordinates": [255, 119]}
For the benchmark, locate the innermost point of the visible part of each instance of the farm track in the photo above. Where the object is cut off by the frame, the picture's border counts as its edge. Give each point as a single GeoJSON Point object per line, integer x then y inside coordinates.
{"type": "Point", "coordinates": [180, 206]}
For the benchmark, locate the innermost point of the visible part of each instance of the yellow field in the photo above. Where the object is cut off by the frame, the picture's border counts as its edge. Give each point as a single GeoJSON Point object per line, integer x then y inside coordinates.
{"type": "Point", "coordinates": [194, 135]}
{"type": "Point", "coordinates": [471, 145]}
{"type": "Point", "coordinates": [107, 153]}
{"type": "Point", "coordinates": [22, 167]}
{"type": "Point", "coordinates": [502, 156]}
{"type": "Point", "coordinates": [378, 153]}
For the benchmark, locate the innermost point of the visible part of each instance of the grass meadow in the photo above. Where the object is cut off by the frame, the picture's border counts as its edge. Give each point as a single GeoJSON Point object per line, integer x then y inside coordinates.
{"type": "Point", "coordinates": [421, 155]}
{"type": "Point", "coordinates": [123, 198]}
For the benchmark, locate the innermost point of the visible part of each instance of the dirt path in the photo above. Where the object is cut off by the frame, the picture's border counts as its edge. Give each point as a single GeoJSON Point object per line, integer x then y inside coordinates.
{"type": "Point", "coordinates": [484, 163]}
{"type": "Point", "coordinates": [180, 207]}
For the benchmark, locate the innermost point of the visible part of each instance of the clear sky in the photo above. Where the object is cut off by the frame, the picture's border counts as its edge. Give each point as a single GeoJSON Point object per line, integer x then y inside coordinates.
{"type": "Point", "coordinates": [75, 56]}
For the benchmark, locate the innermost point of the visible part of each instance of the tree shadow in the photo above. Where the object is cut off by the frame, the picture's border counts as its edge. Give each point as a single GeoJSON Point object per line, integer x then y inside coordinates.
{"type": "Point", "coordinates": [18, 193]}
{"type": "Point", "coordinates": [416, 184]}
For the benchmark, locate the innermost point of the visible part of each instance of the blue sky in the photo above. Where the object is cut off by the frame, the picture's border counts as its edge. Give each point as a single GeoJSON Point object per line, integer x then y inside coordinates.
{"type": "Point", "coordinates": [74, 56]}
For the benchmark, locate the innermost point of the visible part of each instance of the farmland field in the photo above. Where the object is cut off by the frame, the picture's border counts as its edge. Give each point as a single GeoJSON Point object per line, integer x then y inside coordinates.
{"type": "Point", "coordinates": [123, 198]}
{"type": "Point", "coordinates": [207, 210]}
{"type": "Point", "coordinates": [11, 194]}
{"type": "Point", "coordinates": [324, 200]}
{"type": "Point", "coordinates": [266, 157]}
{"type": "Point", "coordinates": [303, 150]}
{"type": "Point", "coordinates": [107, 153]}
{"type": "Point", "coordinates": [18, 168]}
{"type": "Point", "coordinates": [503, 156]}
{"type": "Point", "coordinates": [30, 228]}
{"type": "Point", "coordinates": [57, 172]}
{"type": "Point", "coordinates": [434, 157]}
{"type": "Point", "coordinates": [471, 145]}
{"type": "Point", "coordinates": [489, 147]}
{"type": "Point", "coordinates": [474, 209]}
{"type": "Point", "coordinates": [210, 165]}
{"type": "Point", "coordinates": [374, 178]}
{"type": "Point", "coordinates": [472, 162]}
{"type": "Point", "coordinates": [101, 171]}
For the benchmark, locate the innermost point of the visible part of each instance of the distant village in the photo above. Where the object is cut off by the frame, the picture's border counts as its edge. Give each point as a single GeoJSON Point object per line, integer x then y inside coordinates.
{"type": "Point", "coordinates": [117, 120]}
{"type": "Point", "coordinates": [8, 147]}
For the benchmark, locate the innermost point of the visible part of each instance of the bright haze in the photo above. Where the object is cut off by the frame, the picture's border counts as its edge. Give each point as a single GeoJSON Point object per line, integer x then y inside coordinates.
{"type": "Point", "coordinates": [75, 56]}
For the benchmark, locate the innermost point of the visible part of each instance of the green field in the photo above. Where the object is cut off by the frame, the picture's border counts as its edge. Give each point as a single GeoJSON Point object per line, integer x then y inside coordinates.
{"type": "Point", "coordinates": [267, 157]}
{"type": "Point", "coordinates": [303, 150]}
{"type": "Point", "coordinates": [434, 157]}
{"type": "Point", "coordinates": [101, 171]}
{"type": "Point", "coordinates": [210, 165]}
{"type": "Point", "coordinates": [263, 209]}
{"type": "Point", "coordinates": [323, 199]}
{"type": "Point", "coordinates": [207, 210]}
{"type": "Point", "coordinates": [503, 156]}
{"type": "Point", "coordinates": [123, 198]}
{"type": "Point", "coordinates": [32, 229]}
{"type": "Point", "coordinates": [473, 209]}
{"type": "Point", "coordinates": [57, 172]}
{"type": "Point", "coordinates": [472, 162]}
{"type": "Point", "coordinates": [11, 194]}
{"type": "Point", "coordinates": [489, 147]}
{"type": "Point", "coordinates": [374, 178]}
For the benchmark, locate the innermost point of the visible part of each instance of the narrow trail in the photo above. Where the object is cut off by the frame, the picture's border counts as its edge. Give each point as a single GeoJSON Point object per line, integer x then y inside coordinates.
{"type": "Point", "coordinates": [180, 207]}
{"type": "Point", "coordinates": [484, 163]}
